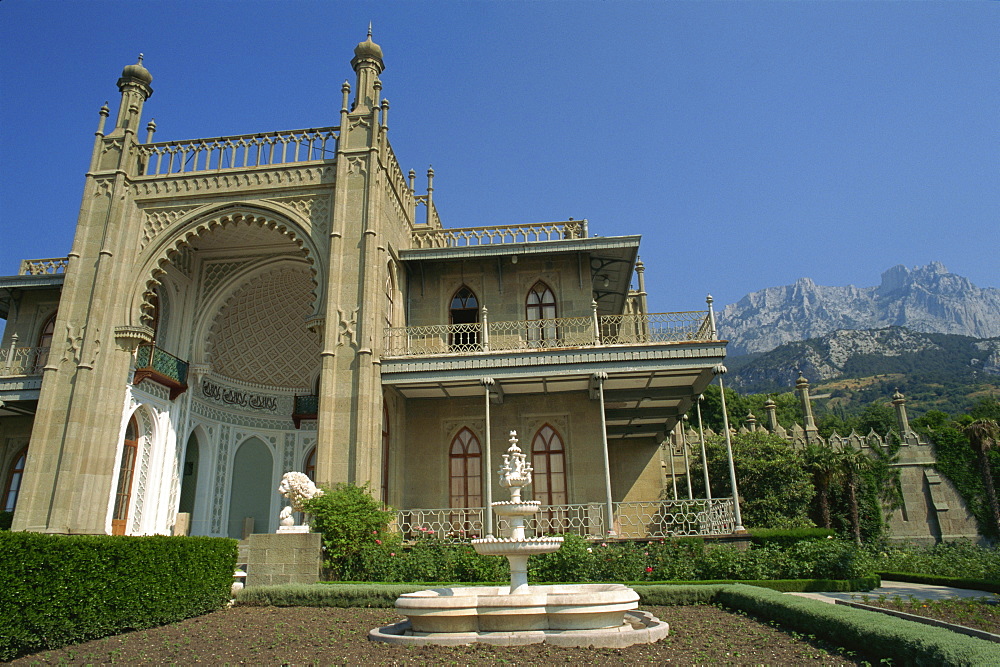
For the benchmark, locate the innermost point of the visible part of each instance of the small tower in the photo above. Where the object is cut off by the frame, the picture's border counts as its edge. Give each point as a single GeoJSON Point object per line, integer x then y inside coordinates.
{"type": "Point", "coordinates": [367, 63]}
{"type": "Point", "coordinates": [771, 410]}
{"type": "Point", "coordinates": [802, 385]}
{"type": "Point", "coordinates": [135, 89]}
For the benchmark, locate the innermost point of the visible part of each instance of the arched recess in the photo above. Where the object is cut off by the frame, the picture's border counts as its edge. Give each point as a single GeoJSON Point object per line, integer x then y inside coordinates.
{"type": "Point", "coordinates": [251, 488]}
{"type": "Point", "coordinates": [463, 314]}
{"type": "Point", "coordinates": [185, 233]}
{"type": "Point", "coordinates": [309, 464]}
{"type": "Point", "coordinates": [128, 461]}
{"type": "Point", "coordinates": [44, 341]}
{"type": "Point", "coordinates": [189, 474]}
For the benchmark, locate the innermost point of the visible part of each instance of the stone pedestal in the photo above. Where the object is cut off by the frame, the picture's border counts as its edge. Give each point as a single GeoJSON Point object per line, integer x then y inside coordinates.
{"type": "Point", "coordinates": [284, 558]}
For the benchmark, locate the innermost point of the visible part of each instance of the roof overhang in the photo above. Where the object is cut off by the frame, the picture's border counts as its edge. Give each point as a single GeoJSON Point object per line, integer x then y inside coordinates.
{"type": "Point", "coordinates": [9, 285]}
{"type": "Point", "coordinates": [645, 393]}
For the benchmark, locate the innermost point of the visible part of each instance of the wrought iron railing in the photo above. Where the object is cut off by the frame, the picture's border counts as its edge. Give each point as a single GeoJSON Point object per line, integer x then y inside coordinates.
{"type": "Point", "coordinates": [563, 332]}
{"type": "Point", "coordinates": [16, 361]}
{"type": "Point", "coordinates": [304, 407]}
{"type": "Point", "coordinates": [39, 267]}
{"type": "Point", "coordinates": [655, 328]}
{"type": "Point", "coordinates": [457, 237]}
{"type": "Point", "coordinates": [162, 363]}
{"type": "Point", "coordinates": [632, 520]}
{"type": "Point", "coordinates": [239, 152]}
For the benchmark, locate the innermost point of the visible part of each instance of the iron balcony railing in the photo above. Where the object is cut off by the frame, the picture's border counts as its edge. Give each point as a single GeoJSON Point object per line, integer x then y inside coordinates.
{"type": "Point", "coordinates": [15, 361]}
{"type": "Point", "coordinates": [633, 520]}
{"type": "Point", "coordinates": [562, 332]}
{"type": "Point", "coordinates": [304, 407]}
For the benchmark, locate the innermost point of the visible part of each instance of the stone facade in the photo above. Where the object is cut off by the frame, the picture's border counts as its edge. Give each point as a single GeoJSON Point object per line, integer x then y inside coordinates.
{"type": "Point", "coordinates": [235, 308]}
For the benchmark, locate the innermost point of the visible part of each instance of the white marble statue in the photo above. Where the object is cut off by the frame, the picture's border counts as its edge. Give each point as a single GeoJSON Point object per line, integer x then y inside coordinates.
{"type": "Point", "coordinates": [297, 488]}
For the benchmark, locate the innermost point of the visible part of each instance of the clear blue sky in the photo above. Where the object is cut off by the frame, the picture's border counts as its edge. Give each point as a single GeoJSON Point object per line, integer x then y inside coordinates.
{"type": "Point", "coordinates": [749, 143]}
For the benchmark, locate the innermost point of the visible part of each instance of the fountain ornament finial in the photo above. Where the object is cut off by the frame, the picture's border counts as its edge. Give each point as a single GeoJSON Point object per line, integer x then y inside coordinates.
{"type": "Point", "coordinates": [515, 471]}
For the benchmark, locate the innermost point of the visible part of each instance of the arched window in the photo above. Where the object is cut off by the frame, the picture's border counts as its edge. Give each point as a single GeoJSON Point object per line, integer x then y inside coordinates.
{"type": "Point", "coordinates": [464, 312]}
{"type": "Point", "coordinates": [155, 312]}
{"type": "Point", "coordinates": [465, 470]}
{"type": "Point", "coordinates": [123, 494]}
{"type": "Point", "coordinates": [541, 305]}
{"type": "Point", "coordinates": [390, 291]}
{"type": "Point", "coordinates": [309, 468]}
{"type": "Point", "coordinates": [44, 343]}
{"type": "Point", "coordinates": [14, 475]}
{"type": "Point", "coordinates": [548, 462]}
{"type": "Point", "coordinates": [385, 455]}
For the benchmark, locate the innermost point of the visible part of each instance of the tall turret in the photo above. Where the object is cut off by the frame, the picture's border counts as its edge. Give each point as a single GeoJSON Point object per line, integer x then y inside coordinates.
{"type": "Point", "coordinates": [367, 63]}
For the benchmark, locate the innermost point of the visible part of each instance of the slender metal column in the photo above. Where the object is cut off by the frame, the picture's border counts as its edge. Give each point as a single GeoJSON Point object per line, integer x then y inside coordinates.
{"type": "Point", "coordinates": [704, 457]}
{"type": "Point", "coordinates": [719, 371]}
{"type": "Point", "coordinates": [599, 378]}
{"type": "Point", "coordinates": [687, 460]}
{"type": "Point", "coordinates": [487, 481]}
{"type": "Point", "coordinates": [673, 473]}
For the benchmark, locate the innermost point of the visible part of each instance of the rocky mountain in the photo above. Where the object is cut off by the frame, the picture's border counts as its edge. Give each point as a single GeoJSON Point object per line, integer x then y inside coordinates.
{"type": "Point", "coordinates": [926, 299]}
{"type": "Point", "coordinates": [865, 353]}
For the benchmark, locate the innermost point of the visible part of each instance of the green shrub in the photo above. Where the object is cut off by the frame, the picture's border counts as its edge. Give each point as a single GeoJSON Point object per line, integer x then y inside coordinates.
{"type": "Point", "coordinates": [324, 595]}
{"type": "Point", "coordinates": [950, 559]}
{"type": "Point", "coordinates": [57, 590]}
{"type": "Point", "coordinates": [786, 538]}
{"type": "Point", "coordinates": [351, 522]}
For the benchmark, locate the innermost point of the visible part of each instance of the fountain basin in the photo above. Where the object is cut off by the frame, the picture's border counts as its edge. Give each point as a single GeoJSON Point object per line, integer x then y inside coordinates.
{"type": "Point", "coordinates": [516, 508]}
{"type": "Point", "coordinates": [505, 546]}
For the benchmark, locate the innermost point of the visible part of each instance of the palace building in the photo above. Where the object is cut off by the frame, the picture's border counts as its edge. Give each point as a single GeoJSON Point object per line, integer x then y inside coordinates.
{"type": "Point", "coordinates": [233, 308]}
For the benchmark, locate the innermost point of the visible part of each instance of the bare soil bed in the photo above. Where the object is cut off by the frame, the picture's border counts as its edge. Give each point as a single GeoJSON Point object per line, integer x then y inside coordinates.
{"type": "Point", "coordinates": [329, 636]}
{"type": "Point", "coordinates": [970, 613]}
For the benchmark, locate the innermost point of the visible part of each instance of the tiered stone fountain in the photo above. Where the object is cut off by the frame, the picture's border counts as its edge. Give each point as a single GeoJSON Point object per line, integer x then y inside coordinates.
{"type": "Point", "coordinates": [603, 615]}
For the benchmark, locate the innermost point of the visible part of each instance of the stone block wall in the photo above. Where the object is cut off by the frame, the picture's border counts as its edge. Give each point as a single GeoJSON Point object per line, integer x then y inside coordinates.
{"type": "Point", "coordinates": [284, 558]}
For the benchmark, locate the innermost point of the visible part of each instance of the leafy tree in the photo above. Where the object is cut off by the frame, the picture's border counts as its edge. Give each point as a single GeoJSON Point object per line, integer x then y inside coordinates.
{"type": "Point", "coordinates": [854, 464]}
{"type": "Point", "coordinates": [983, 434]}
{"type": "Point", "coordinates": [774, 487]}
{"type": "Point", "coordinates": [986, 408]}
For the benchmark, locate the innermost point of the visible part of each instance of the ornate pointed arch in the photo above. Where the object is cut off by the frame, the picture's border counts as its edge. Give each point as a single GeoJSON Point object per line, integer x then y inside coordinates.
{"type": "Point", "coordinates": [174, 242]}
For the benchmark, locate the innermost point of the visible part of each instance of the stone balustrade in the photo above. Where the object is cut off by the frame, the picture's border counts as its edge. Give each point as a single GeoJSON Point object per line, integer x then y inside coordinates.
{"type": "Point", "coordinates": [40, 267]}
{"type": "Point", "coordinates": [458, 237]}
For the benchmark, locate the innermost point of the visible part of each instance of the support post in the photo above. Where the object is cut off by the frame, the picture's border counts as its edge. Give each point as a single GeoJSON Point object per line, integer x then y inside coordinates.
{"type": "Point", "coordinates": [687, 460]}
{"type": "Point", "coordinates": [719, 371]}
{"type": "Point", "coordinates": [704, 457]}
{"type": "Point", "coordinates": [599, 378]}
{"type": "Point", "coordinates": [487, 477]}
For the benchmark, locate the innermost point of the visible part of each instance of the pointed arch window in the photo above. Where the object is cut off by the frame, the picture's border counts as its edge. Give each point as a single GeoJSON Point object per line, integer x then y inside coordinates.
{"type": "Point", "coordinates": [390, 291]}
{"type": "Point", "coordinates": [540, 311]}
{"type": "Point", "coordinates": [548, 462]}
{"type": "Point", "coordinates": [309, 467]}
{"type": "Point", "coordinates": [465, 459]}
{"type": "Point", "coordinates": [464, 315]}
{"type": "Point", "coordinates": [14, 475]}
{"type": "Point", "coordinates": [126, 471]}
{"type": "Point", "coordinates": [45, 336]}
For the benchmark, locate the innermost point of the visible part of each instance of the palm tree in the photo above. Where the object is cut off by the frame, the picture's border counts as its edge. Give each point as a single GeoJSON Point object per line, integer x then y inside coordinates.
{"type": "Point", "coordinates": [983, 434]}
{"type": "Point", "coordinates": [822, 462]}
{"type": "Point", "coordinates": [854, 462]}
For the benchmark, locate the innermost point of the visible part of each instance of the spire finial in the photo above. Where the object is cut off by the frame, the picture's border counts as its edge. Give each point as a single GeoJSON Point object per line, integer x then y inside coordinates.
{"type": "Point", "coordinates": [140, 58]}
{"type": "Point", "coordinates": [369, 30]}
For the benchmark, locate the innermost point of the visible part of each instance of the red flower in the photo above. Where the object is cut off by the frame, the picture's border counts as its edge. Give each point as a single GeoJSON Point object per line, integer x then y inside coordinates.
{"type": "Point", "coordinates": [649, 569]}
{"type": "Point", "coordinates": [378, 541]}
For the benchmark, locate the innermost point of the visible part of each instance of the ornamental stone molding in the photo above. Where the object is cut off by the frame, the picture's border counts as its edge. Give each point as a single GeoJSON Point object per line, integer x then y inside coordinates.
{"type": "Point", "coordinates": [173, 186]}
{"type": "Point", "coordinates": [157, 220]}
{"type": "Point", "coordinates": [130, 337]}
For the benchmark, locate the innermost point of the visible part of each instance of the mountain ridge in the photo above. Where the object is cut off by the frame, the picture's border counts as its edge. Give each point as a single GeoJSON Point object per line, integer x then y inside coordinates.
{"type": "Point", "coordinates": [926, 299]}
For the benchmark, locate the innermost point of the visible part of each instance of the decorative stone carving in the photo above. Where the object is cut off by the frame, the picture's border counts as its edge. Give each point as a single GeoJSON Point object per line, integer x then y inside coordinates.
{"type": "Point", "coordinates": [297, 488]}
{"type": "Point", "coordinates": [347, 329]}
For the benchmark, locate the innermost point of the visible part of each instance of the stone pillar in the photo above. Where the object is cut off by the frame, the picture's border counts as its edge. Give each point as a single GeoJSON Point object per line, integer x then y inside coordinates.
{"type": "Point", "coordinates": [771, 409]}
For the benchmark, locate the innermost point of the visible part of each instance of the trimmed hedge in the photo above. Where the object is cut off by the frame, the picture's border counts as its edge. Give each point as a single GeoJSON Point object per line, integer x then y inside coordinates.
{"type": "Point", "coordinates": [936, 580]}
{"type": "Point", "coordinates": [783, 585]}
{"type": "Point", "coordinates": [57, 590]}
{"type": "Point", "coordinates": [788, 537]}
{"type": "Point", "coordinates": [869, 633]}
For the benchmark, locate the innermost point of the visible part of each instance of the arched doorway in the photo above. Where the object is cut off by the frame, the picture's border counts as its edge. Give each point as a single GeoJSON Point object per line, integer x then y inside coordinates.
{"type": "Point", "coordinates": [464, 315]}
{"type": "Point", "coordinates": [126, 471]}
{"type": "Point", "coordinates": [251, 488]}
